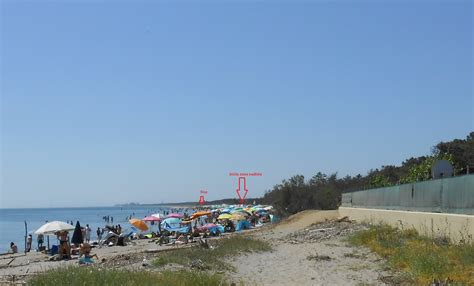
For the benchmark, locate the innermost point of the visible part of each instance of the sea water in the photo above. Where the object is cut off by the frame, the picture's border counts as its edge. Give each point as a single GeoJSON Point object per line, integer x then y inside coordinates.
{"type": "Point", "coordinates": [12, 221]}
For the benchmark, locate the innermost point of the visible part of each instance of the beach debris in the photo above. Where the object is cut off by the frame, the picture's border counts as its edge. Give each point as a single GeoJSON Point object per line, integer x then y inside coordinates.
{"type": "Point", "coordinates": [324, 231]}
{"type": "Point", "coordinates": [317, 257]}
{"type": "Point", "coordinates": [355, 255]}
{"type": "Point", "coordinates": [145, 262]}
{"type": "Point", "coordinates": [198, 264]}
{"type": "Point", "coordinates": [438, 282]}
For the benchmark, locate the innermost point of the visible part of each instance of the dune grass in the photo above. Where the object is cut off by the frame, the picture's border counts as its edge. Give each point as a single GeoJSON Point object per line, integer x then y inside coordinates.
{"type": "Point", "coordinates": [421, 259]}
{"type": "Point", "coordinates": [213, 259]}
{"type": "Point", "coordinates": [95, 276]}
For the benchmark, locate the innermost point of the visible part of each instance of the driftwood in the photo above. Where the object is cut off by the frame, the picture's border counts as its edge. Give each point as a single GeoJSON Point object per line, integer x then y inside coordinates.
{"type": "Point", "coordinates": [321, 229]}
{"type": "Point", "coordinates": [346, 218]}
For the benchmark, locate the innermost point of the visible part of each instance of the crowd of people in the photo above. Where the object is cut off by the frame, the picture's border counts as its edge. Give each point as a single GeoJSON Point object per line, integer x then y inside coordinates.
{"type": "Point", "coordinates": [174, 226]}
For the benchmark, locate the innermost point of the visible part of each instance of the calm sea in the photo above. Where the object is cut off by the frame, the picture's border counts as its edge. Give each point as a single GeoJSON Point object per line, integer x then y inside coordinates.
{"type": "Point", "coordinates": [12, 226]}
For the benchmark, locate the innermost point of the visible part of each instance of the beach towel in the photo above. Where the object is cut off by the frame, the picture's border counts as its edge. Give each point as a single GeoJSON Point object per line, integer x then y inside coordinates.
{"type": "Point", "coordinates": [86, 260]}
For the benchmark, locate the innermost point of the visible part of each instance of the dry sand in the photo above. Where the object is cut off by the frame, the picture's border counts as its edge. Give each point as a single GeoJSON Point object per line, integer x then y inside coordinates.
{"type": "Point", "coordinates": [293, 261]}
{"type": "Point", "coordinates": [19, 266]}
{"type": "Point", "coordinates": [329, 262]}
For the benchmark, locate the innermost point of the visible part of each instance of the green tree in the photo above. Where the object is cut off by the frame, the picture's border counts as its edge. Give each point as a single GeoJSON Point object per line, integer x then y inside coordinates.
{"type": "Point", "coordinates": [422, 171]}
{"type": "Point", "coordinates": [379, 181]}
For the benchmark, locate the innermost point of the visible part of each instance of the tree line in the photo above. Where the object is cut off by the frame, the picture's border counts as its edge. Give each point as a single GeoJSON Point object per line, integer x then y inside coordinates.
{"type": "Point", "coordinates": [323, 191]}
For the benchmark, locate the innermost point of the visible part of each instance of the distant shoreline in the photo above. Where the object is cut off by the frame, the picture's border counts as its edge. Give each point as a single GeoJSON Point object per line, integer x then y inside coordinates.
{"type": "Point", "coordinates": [114, 206]}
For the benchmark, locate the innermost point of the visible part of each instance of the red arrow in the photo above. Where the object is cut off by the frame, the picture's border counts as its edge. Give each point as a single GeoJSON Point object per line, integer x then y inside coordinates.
{"type": "Point", "coordinates": [244, 189]}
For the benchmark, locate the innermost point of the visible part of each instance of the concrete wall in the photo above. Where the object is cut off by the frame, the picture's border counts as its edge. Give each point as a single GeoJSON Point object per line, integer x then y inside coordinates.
{"type": "Point", "coordinates": [455, 226]}
{"type": "Point", "coordinates": [449, 195]}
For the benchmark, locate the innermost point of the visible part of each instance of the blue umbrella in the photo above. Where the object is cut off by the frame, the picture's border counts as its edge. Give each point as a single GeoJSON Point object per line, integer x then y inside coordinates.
{"type": "Point", "coordinates": [171, 222]}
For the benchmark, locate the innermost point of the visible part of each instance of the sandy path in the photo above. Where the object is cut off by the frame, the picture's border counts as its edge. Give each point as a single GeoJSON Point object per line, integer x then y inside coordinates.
{"type": "Point", "coordinates": [288, 263]}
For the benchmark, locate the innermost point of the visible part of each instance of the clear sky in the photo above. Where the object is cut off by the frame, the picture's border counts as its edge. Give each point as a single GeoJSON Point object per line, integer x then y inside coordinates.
{"type": "Point", "coordinates": [152, 101]}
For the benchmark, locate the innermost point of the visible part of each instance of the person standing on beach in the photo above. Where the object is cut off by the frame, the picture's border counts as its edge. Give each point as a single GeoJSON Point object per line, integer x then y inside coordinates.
{"type": "Point", "coordinates": [88, 233]}
{"type": "Point", "coordinates": [99, 234]}
{"type": "Point", "coordinates": [29, 241]}
{"type": "Point", "coordinates": [40, 240]}
{"type": "Point", "coordinates": [64, 248]}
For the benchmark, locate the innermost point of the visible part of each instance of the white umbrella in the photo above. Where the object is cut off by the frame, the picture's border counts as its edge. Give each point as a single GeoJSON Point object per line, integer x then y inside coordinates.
{"type": "Point", "coordinates": [160, 216]}
{"type": "Point", "coordinates": [54, 226]}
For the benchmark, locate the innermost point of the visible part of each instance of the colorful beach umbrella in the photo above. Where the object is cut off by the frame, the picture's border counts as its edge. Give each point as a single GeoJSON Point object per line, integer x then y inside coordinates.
{"type": "Point", "coordinates": [209, 225]}
{"type": "Point", "coordinates": [141, 225]}
{"type": "Point", "coordinates": [199, 214]}
{"type": "Point", "coordinates": [54, 226]}
{"type": "Point", "coordinates": [174, 215]}
{"type": "Point", "coordinates": [171, 222]}
{"type": "Point", "coordinates": [244, 213]}
{"type": "Point", "coordinates": [238, 216]}
{"type": "Point", "coordinates": [151, 218]}
{"type": "Point", "coordinates": [225, 216]}
{"type": "Point", "coordinates": [160, 216]}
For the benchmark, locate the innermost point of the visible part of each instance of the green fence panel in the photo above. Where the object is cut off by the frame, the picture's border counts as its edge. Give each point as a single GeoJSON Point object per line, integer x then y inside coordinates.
{"type": "Point", "coordinates": [449, 195]}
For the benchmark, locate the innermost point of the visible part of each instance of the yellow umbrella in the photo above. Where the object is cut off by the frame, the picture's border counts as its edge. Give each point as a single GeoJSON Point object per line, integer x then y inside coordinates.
{"type": "Point", "coordinates": [238, 216]}
{"type": "Point", "coordinates": [141, 225]}
{"type": "Point", "coordinates": [225, 216]}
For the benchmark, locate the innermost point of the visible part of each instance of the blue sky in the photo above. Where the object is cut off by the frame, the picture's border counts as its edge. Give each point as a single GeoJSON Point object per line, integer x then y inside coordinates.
{"type": "Point", "coordinates": [153, 101]}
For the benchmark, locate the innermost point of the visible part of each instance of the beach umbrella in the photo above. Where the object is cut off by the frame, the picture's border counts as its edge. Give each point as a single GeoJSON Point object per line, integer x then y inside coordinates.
{"type": "Point", "coordinates": [199, 214]}
{"type": "Point", "coordinates": [151, 218]}
{"type": "Point", "coordinates": [160, 216]}
{"type": "Point", "coordinates": [174, 215]}
{"type": "Point", "coordinates": [237, 216]}
{"type": "Point", "coordinates": [54, 226]}
{"type": "Point", "coordinates": [244, 213]}
{"type": "Point", "coordinates": [77, 234]}
{"type": "Point", "coordinates": [141, 225]}
{"type": "Point", "coordinates": [225, 216]}
{"type": "Point", "coordinates": [171, 222]}
{"type": "Point", "coordinates": [209, 225]}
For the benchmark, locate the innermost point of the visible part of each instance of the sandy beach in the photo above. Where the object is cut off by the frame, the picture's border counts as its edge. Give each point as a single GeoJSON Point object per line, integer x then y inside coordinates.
{"type": "Point", "coordinates": [295, 259]}
{"type": "Point", "coordinates": [328, 262]}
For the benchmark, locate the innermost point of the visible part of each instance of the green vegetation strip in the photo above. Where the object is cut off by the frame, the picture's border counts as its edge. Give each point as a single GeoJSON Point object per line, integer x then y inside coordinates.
{"type": "Point", "coordinates": [95, 276]}
{"type": "Point", "coordinates": [213, 258]}
{"type": "Point", "coordinates": [421, 259]}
